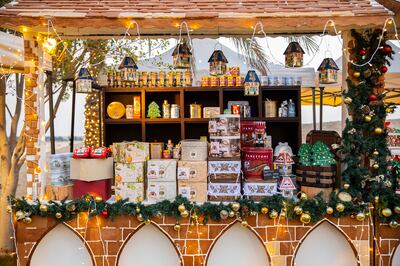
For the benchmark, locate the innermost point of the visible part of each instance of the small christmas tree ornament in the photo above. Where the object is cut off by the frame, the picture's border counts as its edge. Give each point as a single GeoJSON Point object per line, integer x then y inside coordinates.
{"type": "Point", "coordinates": [58, 215]}
{"type": "Point", "coordinates": [360, 216]}
{"type": "Point", "coordinates": [128, 69]}
{"type": "Point", "coordinates": [294, 55]}
{"type": "Point", "coordinates": [393, 224]}
{"type": "Point", "coordinates": [231, 214]}
{"type": "Point", "coordinates": [182, 55]}
{"type": "Point", "coordinates": [43, 208]}
{"type": "Point", "coordinates": [362, 52]}
{"type": "Point", "coordinates": [378, 130]}
{"type": "Point", "coordinates": [298, 210]}
{"type": "Point", "coordinates": [71, 207]}
{"type": "Point", "coordinates": [139, 217]}
{"type": "Point", "coordinates": [84, 81]}
{"type": "Point", "coordinates": [340, 207]}
{"type": "Point", "coordinates": [305, 218]}
{"type": "Point", "coordinates": [386, 212]}
{"type": "Point", "coordinates": [185, 214]}
{"type": "Point", "coordinates": [153, 110]}
{"type": "Point", "coordinates": [367, 118]}
{"type": "Point", "coordinates": [383, 69]}
{"type": "Point", "coordinates": [397, 209]}
{"type": "Point", "coordinates": [105, 214]}
{"type": "Point", "coordinates": [217, 63]}
{"type": "Point", "coordinates": [302, 196]}
{"type": "Point", "coordinates": [177, 227]}
{"type": "Point", "coordinates": [244, 224]}
{"type": "Point", "coordinates": [223, 214]}
{"type": "Point", "coordinates": [375, 166]}
{"type": "Point", "coordinates": [348, 100]}
{"type": "Point", "coordinates": [235, 206]}
{"type": "Point", "coordinates": [27, 220]}
{"type": "Point", "coordinates": [346, 186]}
{"type": "Point", "coordinates": [356, 74]}
{"type": "Point", "coordinates": [372, 97]}
{"type": "Point", "coordinates": [329, 210]}
{"type": "Point", "coordinates": [273, 214]}
{"type": "Point", "coordinates": [264, 210]}
{"type": "Point", "coordinates": [375, 153]}
{"type": "Point", "coordinates": [181, 208]}
{"type": "Point", "coordinates": [251, 84]}
{"type": "Point", "coordinates": [386, 49]}
{"type": "Point", "coordinates": [328, 71]}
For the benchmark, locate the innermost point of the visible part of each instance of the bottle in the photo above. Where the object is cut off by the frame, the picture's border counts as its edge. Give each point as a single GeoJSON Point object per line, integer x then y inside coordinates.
{"type": "Point", "coordinates": [170, 145]}
{"type": "Point", "coordinates": [166, 109]}
{"type": "Point", "coordinates": [284, 110]}
{"type": "Point", "coordinates": [291, 110]}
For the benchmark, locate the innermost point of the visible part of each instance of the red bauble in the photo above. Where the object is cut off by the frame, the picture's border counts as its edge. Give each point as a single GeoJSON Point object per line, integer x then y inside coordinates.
{"type": "Point", "coordinates": [384, 69]}
{"type": "Point", "coordinates": [104, 213]}
{"type": "Point", "coordinates": [387, 49]}
{"type": "Point", "coordinates": [362, 52]}
{"type": "Point", "coordinates": [372, 97]}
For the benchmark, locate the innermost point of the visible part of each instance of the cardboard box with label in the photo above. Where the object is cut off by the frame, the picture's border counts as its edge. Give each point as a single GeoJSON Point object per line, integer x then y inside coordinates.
{"type": "Point", "coordinates": [158, 191]}
{"type": "Point", "coordinates": [161, 170]}
{"type": "Point", "coordinates": [193, 191]}
{"type": "Point", "coordinates": [131, 152]}
{"type": "Point", "coordinates": [192, 171]}
{"type": "Point", "coordinates": [133, 191]}
{"type": "Point", "coordinates": [129, 172]}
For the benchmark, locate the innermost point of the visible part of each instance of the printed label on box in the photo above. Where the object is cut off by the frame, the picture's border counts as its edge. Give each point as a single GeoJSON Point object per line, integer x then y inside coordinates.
{"type": "Point", "coordinates": [223, 189]}
{"type": "Point", "coordinates": [183, 173]}
{"type": "Point", "coordinates": [153, 171]}
{"type": "Point", "coordinates": [260, 189]}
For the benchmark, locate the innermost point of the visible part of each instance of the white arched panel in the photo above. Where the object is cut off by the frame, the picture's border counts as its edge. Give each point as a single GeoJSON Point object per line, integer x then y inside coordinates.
{"type": "Point", "coordinates": [149, 240]}
{"type": "Point", "coordinates": [327, 246]}
{"type": "Point", "coordinates": [238, 246]}
{"type": "Point", "coordinates": [61, 247]}
{"type": "Point", "coordinates": [396, 256]}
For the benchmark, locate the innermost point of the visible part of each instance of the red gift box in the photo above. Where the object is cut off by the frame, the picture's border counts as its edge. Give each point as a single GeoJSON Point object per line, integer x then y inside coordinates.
{"type": "Point", "coordinates": [255, 160]}
{"type": "Point", "coordinates": [96, 188]}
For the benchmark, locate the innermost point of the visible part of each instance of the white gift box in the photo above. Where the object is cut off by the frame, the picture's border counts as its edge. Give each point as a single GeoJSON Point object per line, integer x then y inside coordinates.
{"type": "Point", "coordinates": [159, 191]}
{"type": "Point", "coordinates": [161, 170]}
{"type": "Point", "coordinates": [129, 172]}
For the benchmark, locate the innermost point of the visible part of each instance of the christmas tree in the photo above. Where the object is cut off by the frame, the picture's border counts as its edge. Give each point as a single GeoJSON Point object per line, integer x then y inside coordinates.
{"type": "Point", "coordinates": [153, 110]}
{"type": "Point", "coordinates": [305, 154]}
{"type": "Point", "coordinates": [322, 155]}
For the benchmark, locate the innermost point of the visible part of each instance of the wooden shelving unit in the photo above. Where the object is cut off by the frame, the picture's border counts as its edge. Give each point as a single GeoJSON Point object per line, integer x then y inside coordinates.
{"type": "Point", "coordinates": [281, 129]}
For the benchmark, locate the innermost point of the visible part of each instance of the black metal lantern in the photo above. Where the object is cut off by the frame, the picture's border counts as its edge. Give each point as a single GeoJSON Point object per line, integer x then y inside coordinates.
{"type": "Point", "coordinates": [328, 71]}
{"type": "Point", "coordinates": [294, 55]}
{"type": "Point", "coordinates": [84, 81]}
{"type": "Point", "coordinates": [182, 55]}
{"type": "Point", "coordinates": [218, 63]}
{"type": "Point", "coordinates": [128, 69]}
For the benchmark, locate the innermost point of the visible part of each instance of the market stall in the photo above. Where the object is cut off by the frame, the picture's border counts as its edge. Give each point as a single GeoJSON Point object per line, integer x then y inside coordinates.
{"type": "Point", "coordinates": [195, 165]}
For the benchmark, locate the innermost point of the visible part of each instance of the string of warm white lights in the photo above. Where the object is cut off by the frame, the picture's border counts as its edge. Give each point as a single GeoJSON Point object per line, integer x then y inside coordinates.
{"type": "Point", "coordinates": [13, 237]}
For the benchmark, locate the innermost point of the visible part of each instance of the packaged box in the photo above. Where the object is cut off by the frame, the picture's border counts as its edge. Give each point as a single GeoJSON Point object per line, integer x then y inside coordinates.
{"type": "Point", "coordinates": [224, 169]}
{"type": "Point", "coordinates": [136, 107]}
{"type": "Point", "coordinates": [255, 161]}
{"type": "Point", "coordinates": [159, 191]}
{"type": "Point", "coordinates": [134, 191]}
{"type": "Point", "coordinates": [194, 150]}
{"type": "Point", "coordinates": [224, 147]}
{"type": "Point", "coordinates": [209, 112]}
{"type": "Point", "coordinates": [91, 169]}
{"type": "Point", "coordinates": [100, 188]}
{"type": "Point", "coordinates": [257, 189]}
{"type": "Point", "coordinates": [193, 171]}
{"type": "Point", "coordinates": [129, 172]}
{"type": "Point", "coordinates": [161, 170]}
{"type": "Point", "coordinates": [193, 191]}
{"type": "Point", "coordinates": [224, 125]}
{"type": "Point", "coordinates": [252, 134]}
{"type": "Point", "coordinates": [131, 152]}
{"type": "Point", "coordinates": [59, 166]}
{"type": "Point", "coordinates": [156, 149]}
{"type": "Point", "coordinates": [223, 190]}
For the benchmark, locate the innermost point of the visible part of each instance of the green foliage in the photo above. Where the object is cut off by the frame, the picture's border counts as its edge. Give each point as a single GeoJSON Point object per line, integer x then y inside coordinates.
{"type": "Point", "coordinates": [8, 260]}
{"type": "Point", "coordinates": [2, 3]}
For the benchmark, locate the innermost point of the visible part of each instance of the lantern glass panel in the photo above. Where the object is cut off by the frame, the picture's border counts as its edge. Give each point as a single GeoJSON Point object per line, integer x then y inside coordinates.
{"type": "Point", "coordinates": [327, 76]}
{"type": "Point", "coordinates": [83, 85]}
{"type": "Point", "coordinates": [217, 68]}
{"type": "Point", "coordinates": [128, 74]}
{"type": "Point", "coordinates": [294, 59]}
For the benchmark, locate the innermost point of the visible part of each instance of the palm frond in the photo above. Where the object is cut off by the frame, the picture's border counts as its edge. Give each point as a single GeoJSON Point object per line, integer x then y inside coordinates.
{"type": "Point", "coordinates": [308, 43]}
{"type": "Point", "coordinates": [252, 53]}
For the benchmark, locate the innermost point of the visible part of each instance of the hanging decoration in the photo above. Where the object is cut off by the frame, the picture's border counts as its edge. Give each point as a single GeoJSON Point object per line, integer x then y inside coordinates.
{"type": "Point", "coordinates": [128, 69]}
{"type": "Point", "coordinates": [84, 81]}
{"type": "Point", "coordinates": [294, 55]}
{"type": "Point", "coordinates": [182, 55]}
{"type": "Point", "coordinates": [92, 120]}
{"type": "Point", "coordinates": [251, 84]}
{"type": "Point", "coordinates": [328, 71]}
{"type": "Point", "coordinates": [217, 63]}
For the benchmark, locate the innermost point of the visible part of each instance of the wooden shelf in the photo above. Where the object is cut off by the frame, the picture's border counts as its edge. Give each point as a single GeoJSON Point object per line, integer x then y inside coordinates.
{"type": "Point", "coordinates": [281, 119]}
{"type": "Point", "coordinates": [196, 120]}
{"type": "Point", "coordinates": [162, 121]}
{"type": "Point", "coordinates": [122, 121]}
{"type": "Point", "coordinates": [126, 90]}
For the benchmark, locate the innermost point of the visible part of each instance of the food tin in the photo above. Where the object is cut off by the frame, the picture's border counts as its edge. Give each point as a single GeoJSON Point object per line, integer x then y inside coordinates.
{"type": "Point", "coordinates": [255, 161]}
{"type": "Point", "coordinates": [174, 111]}
{"type": "Point", "coordinates": [231, 81]}
{"type": "Point", "coordinates": [178, 79]}
{"type": "Point", "coordinates": [161, 79]}
{"type": "Point", "coordinates": [223, 81]}
{"type": "Point", "coordinates": [195, 110]}
{"type": "Point", "coordinates": [188, 79]}
{"type": "Point", "coordinates": [239, 81]}
{"type": "Point", "coordinates": [214, 81]}
{"type": "Point", "coordinates": [171, 79]}
{"type": "Point", "coordinates": [153, 79]}
{"type": "Point", "coordinates": [144, 79]}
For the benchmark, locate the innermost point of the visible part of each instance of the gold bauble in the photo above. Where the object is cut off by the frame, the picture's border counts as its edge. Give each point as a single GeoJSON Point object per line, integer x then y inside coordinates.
{"type": "Point", "coordinates": [340, 207]}
{"type": "Point", "coordinates": [376, 199]}
{"type": "Point", "coordinates": [140, 217]}
{"type": "Point", "coordinates": [360, 216]}
{"type": "Point", "coordinates": [282, 214]}
{"type": "Point", "coordinates": [378, 130]}
{"type": "Point", "coordinates": [264, 210]}
{"type": "Point", "coordinates": [147, 221]}
{"type": "Point", "coordinates": [27, 220]}
{"type": "Point", "coordinates": [43, 208]}
{"type": "Point", "coordinates": [58, 215]}
{"type": "Point", "coordinates": [303, 196]}
{"type": "Point", "coordinates": [98, 199]}
{"type": "Point", "coordinates": [387, 212]}
{"type": "Point", "coordinates": [223, 214]}
{"type": "Point", "coordinates": [19, 215]}
{"type": "Point", "coordinates": [329, 210]}
{"type": "Point", "coordinates": [348, 100]}
{"type": "Point", "coordinates": [305, 218]}
{"type": "Point", "coordinates": [389, 110]}
{"type": "Point", "coordinates": [375, 166]}
{"type": "Point", "coordinates": [356, 74]}
{"type": "Point", "coordinates": [253, 213]}
{"type": "Point", "coordinates": [181, 208]}
{"type": "Point", "coordinates": [231, 214]}
{"type": "Point", "coordinates": [397, 209]}
{"type": "Point", "coordinates": [9, 209]}
{"type": "Point", "coordinates": [137, 210]}
{"type": "Point", "coordinates": [71, 207]}
{"type": "Point", "coordinates": [393, 224]}
{"type": "Point", "coordinates": [185, 214]}
{"type": "Point", "coordinates": [235, 206]}
{"type": "Point", "coordinates": [367, 118]}
{"type": "Point", "coordinates": [177, 227]}
{"type": "Point", "coordinates": [273, 214]}
{"type": "Point", "coordinates": [346, 186]}
{"type": "Point", "coordinates": [244, 223]}
{"type": "Point", "coordinates": [298, 210]}
{"type": "Point", "coordinates": [375, 153]}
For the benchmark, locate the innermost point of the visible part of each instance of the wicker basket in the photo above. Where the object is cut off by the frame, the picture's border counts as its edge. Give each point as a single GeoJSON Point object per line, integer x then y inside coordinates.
{"type": "Point", "coordinates": [223, 194]}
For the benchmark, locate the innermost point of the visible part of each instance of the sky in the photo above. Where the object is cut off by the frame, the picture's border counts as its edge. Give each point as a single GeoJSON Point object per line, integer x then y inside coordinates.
{"type": "Point", "coordinates": [329, 46]}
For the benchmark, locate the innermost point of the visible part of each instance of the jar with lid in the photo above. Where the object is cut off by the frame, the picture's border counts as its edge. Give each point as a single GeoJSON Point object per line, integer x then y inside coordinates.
{"type": "Point", "coordinates": [129, 111]}
{"type": "Point", "coordinates": [174, 111]}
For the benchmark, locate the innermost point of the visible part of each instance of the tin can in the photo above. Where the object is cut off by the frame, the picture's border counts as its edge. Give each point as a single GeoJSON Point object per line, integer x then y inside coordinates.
{"type": "Point", "coordinates": [136, 78]}
{"type": "Point", "coordinates": [239, 81]}
{"type": "Point", "coordinates": [246, 113]}
{"type": "Point", "coordinates": [161, 79]}
{"type": "Point", "coordinates": [174, 111]}
{"type": "Point", "coordinates": [178, 79]}
{"type": "Point", "coordinates": [205, 81]}
{"type": "Point", "coordinates": [188, 79]}
{"type": "Point", "coordinates": [231, 81]}
{"type": "Point", "coordinates": [171, 79]}
{"type": "Point", "coordinates": [144, 79]}
{"type": "Point", "coordinates": [235, 71]}
{"type": "Point", "coordinates": [214, 81]}
{"type": "Point", "coordinates": [153, 79]}
{"type": "Point", "coordinates": [288, 81]}
{"type": "Point", "coordinates": [235, 109]}
{"type": "Point", "coordinates": [223, 81]}
{"type": "Point", "coordinates": [195, 110]}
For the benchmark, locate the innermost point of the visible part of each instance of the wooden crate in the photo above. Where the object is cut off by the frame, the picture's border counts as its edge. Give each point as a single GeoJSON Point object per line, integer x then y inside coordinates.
{"type": "Point", "coordinates": [59, 192]}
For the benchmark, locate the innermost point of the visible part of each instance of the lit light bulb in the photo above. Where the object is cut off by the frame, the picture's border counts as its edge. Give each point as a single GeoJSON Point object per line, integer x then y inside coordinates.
{"type": "Point", "coordinates": [50, 44]}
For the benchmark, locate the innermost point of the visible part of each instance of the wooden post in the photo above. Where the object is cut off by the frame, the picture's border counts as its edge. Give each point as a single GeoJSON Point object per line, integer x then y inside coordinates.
{"type": "Point", "coordinates": [346, 38]}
